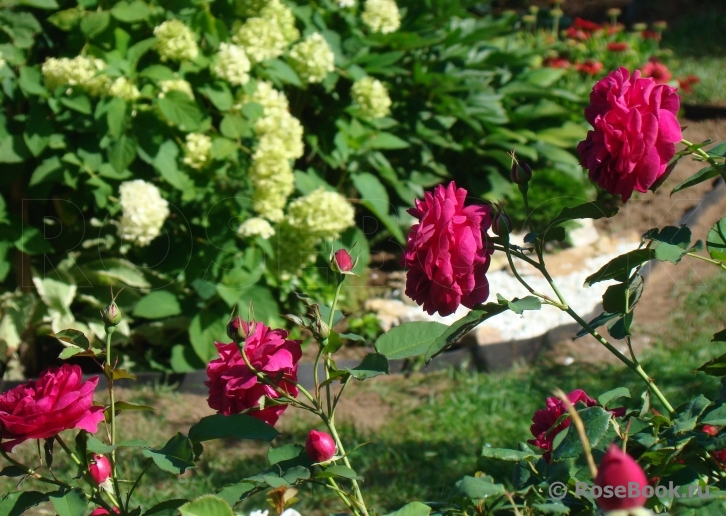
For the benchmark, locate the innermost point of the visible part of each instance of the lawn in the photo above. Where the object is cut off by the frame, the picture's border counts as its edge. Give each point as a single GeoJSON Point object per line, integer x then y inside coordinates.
{"type": "Point", "coordinates": [435, 424]}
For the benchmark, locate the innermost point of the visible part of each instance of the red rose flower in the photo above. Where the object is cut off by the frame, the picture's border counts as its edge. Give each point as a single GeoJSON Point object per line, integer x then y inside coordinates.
{"type": "Point", "coordinates": [618, 469]}
{"type": "Point", "coordinates": [447, 252]}
{"type": "Point", "coordinates": [234, 388]}
{"type": "Point", "coordinates": [617, 46]}
{"type": "Point", "coordinates": [59, 400]}
{"type": "Point", "coordinates": [589, 67]}
{"type": "Point", "coordinates": [657, 70]}
{"type": "Point", "coordinates": [543, 421]}
{"type": "Point", "coordinates": [634, 132]}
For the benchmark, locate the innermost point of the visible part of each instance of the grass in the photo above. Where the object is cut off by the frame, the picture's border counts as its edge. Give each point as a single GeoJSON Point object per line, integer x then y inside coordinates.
{"type": "Point", "coordinates": [436, 423]}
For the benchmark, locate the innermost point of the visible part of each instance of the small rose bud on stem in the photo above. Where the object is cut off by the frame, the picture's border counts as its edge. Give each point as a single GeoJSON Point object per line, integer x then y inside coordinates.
{"type": "Point", "coordinates": [99, 468]}
{"type": "Point", "coordinates": [320, 446]}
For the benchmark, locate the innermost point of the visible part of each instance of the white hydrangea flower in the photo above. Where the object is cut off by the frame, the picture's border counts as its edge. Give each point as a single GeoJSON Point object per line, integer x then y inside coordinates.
{"type": "Point", "coordinates": [80, 71]}
{"type": "Point", "coordinates": [232, 64]}
{"type": "Point", "coordinates": [175, 85]}
{"type": "Point", "coordinates": [144, 212]}
{"type": "Point", "coordinates": [175, 41]}
{"type": "Point", "coordinates": [256, 226]}
{"type": "Point", "coordinates": [274, 181]}
{"type": "Point", "coordinates": [321, 212]}
{"type": "Point", "coordinates": [284, 132]}
{"type": "Point", "coordinates": [124, 89]}
{"type": "Point", "coordinates": [346, 3]}
{"type": "Point", "coordinates": [197, 151]}
{"type": "Point", "coordinates": [372, 98]}
{"type": "Point", "coordinates": [312, 58]}
{"type": "Point", "coordinates": [262, 38]}
{"type": "Point", "coordinates": [285, 19]}
{"type": "Point", "coordinates": [381, 16]}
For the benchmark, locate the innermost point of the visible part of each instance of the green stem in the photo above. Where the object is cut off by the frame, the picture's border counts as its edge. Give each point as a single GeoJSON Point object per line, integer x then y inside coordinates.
{"type": "Point", "coordinates": [109, 378]}
{"type": "Point", "coordinates": [28, 471]}
{"type": "Point", "coordinates": [68, 450]}
{"type": "Point", "coordinates": [709, 260]}
{"type": "Point", "coordinates": [356, 488]}
{"type": "Point", "coordinates": [331, 320]}
{"type": "Point", "coordinates": [342, 494]}
{"type": "Point", "coordinates": [711, 161]}
{"type": "Point", "coordinates": [133, 487]}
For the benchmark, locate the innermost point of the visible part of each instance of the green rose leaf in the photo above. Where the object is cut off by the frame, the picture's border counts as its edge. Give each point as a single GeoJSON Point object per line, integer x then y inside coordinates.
{"type": "Point", "coordinates": [412, 509]}
{"type": "Point", "coordinates": [69, 503]}
{"type": "Point", "coordinates": [241, 426]}
{"type": "Point", "coordinates": [716, 240]}
{"type": "Point", "coordinates": [15, 504]}
{"type": "Point", "coordinates": [606, 398]}
{"type": "Point", "coordinates": [588, 210]}
{"type": "Point", "coordinates": [207, 505]}
{"type": "Point", "coordinates": [478, 488]}
{"type": "Point", "coordinates": [409, 339]}
{"type": "Point", "coordinates": [373, 364]}
{"type": "Point", "coordinates": [157, 305]}
{"type": "Point", "coordinates": [619, 268]}
{"type": "Point", "coordinates": [596, 421]}
{"type": "Point", "coordinates": [175, 457]}
{"type": "Point", "coordinates": [506, 454]}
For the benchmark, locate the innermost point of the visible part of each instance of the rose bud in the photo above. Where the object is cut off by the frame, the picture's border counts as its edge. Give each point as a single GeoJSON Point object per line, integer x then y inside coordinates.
{"type": "Point", "coordinates": [320, 446]}
{"type": "Point", "coordinates": [617, 470]}
{"type": "Point", "coordinates": [710, 430]}
{"type": "Point", "coordinates": [502, 224]}
{"type": "Point", "coordinates": [99, 468]}
{"type": "Point", "coordinates": [238, 329]}
{"type": "Point", "coordinates": [521, 173]}
{"type": "Point", "coordinates": [103, 512]}
{"type": "Point", "coordinates": [342, 262]}
{"type": "Point", "coordinates": [111, 315]}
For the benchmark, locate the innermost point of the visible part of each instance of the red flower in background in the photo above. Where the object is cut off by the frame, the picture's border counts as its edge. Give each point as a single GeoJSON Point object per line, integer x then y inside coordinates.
{"type": "Point", "coordinates": [587, 25]}
{"type": "Point", "coordinates": [657, 70]}
{"type": "Point", "coordinates": [589, 67]}
{"type": "Point", "coordinates": [649, 34]}
{"type": "Point", "coordinates": [687, 83]}
{"type": "Point", "coordinates": [617, 46]}
{"type": "Point", "coordinates": [634, 132]}
{"type": "Point", "coordinates": [557, 62]}
{"type": "Point", "coordinates": [234, 388]}
{"type": "Point", "coordinates": [447, 252]}
{"type": "Point", "coordinates": [577, 34]}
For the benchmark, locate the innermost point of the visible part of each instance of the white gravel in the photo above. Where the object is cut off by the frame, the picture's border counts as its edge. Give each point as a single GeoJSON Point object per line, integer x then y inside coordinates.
{"type": "Point", "coordinates": [511, 326]}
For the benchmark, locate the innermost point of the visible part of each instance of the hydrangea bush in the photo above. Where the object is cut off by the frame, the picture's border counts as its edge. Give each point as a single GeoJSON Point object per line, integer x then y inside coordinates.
{"type": "Point", "coordinates": [630, 458]}
{"type": "Point", "coordinates": [175, 150]}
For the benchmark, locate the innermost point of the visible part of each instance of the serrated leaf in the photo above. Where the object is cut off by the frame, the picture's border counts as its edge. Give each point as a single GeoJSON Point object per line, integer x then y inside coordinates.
{"type": "Point", "coordinates": [175, 457]}
{"type": "Point", "coordinates": [621, 328]}
{"type": "Point", "coordinates": [606, 398]}
{"type": "Point", "coordinates": [15, 504]}
{"type": "Point", "coordinates": [596, 421]}
{"type": "Point", "coordinates": [506, 454]}
{"type": "Point", "coordinates": [181, 111]}
{"type": "Point", "coordinates": [588, 210]}
{"type": "Point", "coordinates": [241, 426]}
{"type": "Point", "coordinates": [699, 177]}
{"type": "Point", "coordinates": [373, 364]}
{"type": "Point", "coordinates": [613, 300]}
{"type": "Point", "coordinates": [619, 268]}
{"type": "Point", "coordinates": [462, 327]}
{"type": "Point", "coordinates": [518, 306]}
{"type": "Point", "coordinates": [409, 339]}
{"type": "Point", "coordinates": [207, 505]}
{"type": "Point", "coordinates": [716, 417]}
{"type": "Point", "coordinates": [716, 240]}
{"type": "Point", "coordinates": [478, 488]}
{"type": "Point", "coordinates": [339, 471]}
{"type": "Point", "coordinates": [69, 503]}
{"type": "Point", "coordinates": [715, 366]}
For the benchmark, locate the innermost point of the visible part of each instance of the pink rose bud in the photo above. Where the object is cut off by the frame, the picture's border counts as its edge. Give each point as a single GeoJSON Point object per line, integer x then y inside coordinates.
{"type": "Point", "coordinates": [320, 446]}
{"type": "Point", "coordinates": [99, 468]}
{"type": "Point", "coordinates": [619, 472]}
{"type": "Point", "coordinates": [710, 430]}
{"type": "Point", "coordinates": [343, 261]}
{"type": "Point", "coordinates": [103, 512]}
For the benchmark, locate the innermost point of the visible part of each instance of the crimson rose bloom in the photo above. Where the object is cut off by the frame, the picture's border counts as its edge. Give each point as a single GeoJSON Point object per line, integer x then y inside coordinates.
{"type": "Point", "coordinates": [233, 387]}
{"type": "Point", "coordinates": [448, 252]}
{"type": "Point", "coordinates": [634, 135]}
{"type": "Point", "coordinates": [59, 400]}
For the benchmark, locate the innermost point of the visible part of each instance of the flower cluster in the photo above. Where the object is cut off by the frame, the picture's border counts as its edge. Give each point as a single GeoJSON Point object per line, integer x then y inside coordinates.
{"type": "Point", "coordinates": [381, 16]}
{"type": "Point", "coordinates": [323, 213]}
{"type": "Point", "coordinates": [175, 42]}
{"type": "Point", "coordinates": [144, 212]}
{"type": "Point", "coordinates": [84, 72]}
{"type": "Point", "coordinates": [656, 70]}
{"type": "Point", "coordinates": [256, 226]}
{"type": "Point", "coordinates": [447, 252]}
{"type": "Point", "coordinates": [279, 140]}
{"type": "Point", "coordinates": [312, 58]}
{"type": "Point", "coordinates": [234, 388]}
{"type": "Point", "coordinates": [124, 89]}
{"type": "Point", "coordinates": [371, 96]}
{"type": "Point", "coordinates": [175, 85]}
{"type": "Point", "coordinates": [59, 400]}
{"type": "Point", "coordinates": [197, 151]}
{"type": "Point", "coordinates": [634, 132]}
{"type": "Point", "coordinates": [268, 34]}
{"type": "Point", "coordinates": [232, 64]}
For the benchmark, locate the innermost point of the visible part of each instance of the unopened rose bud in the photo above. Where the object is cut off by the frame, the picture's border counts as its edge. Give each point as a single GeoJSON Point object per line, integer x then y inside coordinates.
{"type": "Point", "coordinates": [103, 512]}
{"type": "Point", "coordinates": [521, 173]}
{"type": "Point", "coordinates": [99, 468]}
{"type": "Point", "coordinates": [320, 447]}
{"type": "Point", "coordinates": [238, 329]}
{"type": "Point", "coordinates": [617, 469]}
{"type": "Point", "coordinates": [502, 224]}
{"type": "Point", "coordinates": [111, 315]}
{"type": "Point", "coordinates": [710, 430]}
{"type": "Point", "coordinates": [342, 261]}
